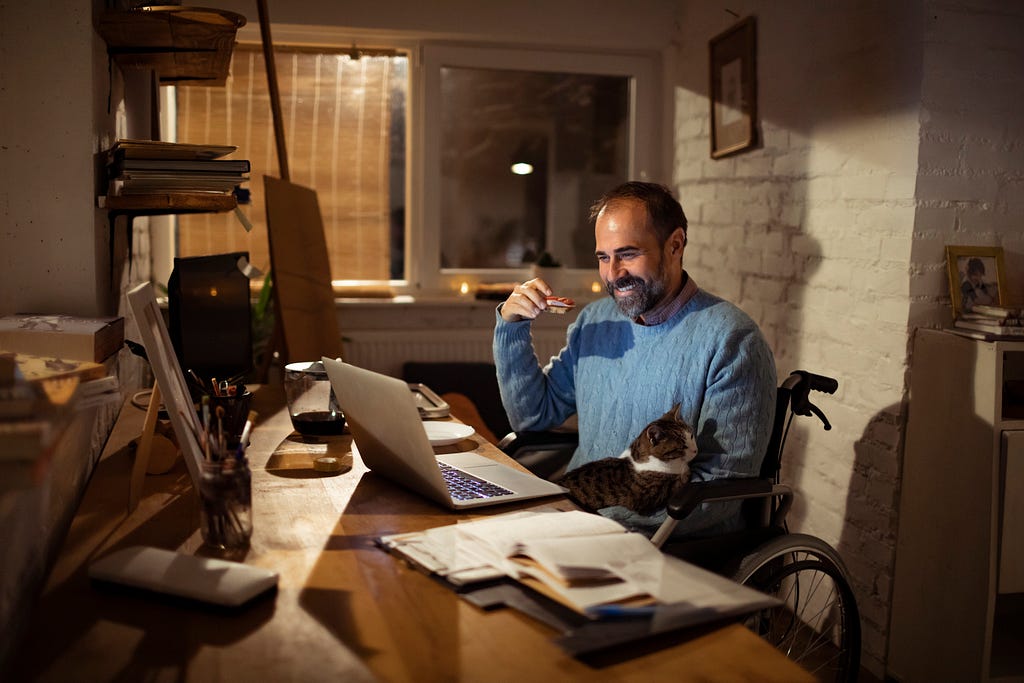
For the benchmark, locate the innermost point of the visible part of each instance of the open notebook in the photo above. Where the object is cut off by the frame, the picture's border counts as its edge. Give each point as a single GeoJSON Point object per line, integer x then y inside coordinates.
{"type": "Point", "coordinates": [390, 438]}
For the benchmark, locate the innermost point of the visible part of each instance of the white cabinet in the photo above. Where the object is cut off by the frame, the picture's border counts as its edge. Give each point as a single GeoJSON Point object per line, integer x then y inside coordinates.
{"type": "Point", "coordinates": [957, 606]}
{"type": "Point", "coordinates": [1011, 538]}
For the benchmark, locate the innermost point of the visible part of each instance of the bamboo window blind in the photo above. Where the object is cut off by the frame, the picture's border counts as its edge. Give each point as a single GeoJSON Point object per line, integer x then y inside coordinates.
{"type": "Point", "coordinates": [337, 114]}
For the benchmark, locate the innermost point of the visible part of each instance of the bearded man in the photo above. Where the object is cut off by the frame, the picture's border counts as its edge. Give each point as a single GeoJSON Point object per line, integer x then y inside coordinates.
{"type": "Point", "coordinates": [657, 340]}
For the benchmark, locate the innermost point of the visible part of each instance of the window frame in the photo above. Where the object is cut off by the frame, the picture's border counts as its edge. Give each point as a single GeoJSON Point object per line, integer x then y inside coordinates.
{"type": "Point", "coordinates": [423, 273]}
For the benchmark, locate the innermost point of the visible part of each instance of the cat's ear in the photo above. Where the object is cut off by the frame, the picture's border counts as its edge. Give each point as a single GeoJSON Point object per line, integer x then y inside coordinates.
{"type": "Point", "coordinates": [654, 434]}
{"type": "Point", "coordinates": [677, 411]}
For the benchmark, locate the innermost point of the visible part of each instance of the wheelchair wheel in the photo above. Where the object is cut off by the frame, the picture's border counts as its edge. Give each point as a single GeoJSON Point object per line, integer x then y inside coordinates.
{"type": "Point", "coordinates": [818, 624]}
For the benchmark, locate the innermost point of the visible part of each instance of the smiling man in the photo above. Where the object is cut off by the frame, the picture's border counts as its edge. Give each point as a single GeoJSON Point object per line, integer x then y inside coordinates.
{"type": "Point", "coordinates": [656, 341]}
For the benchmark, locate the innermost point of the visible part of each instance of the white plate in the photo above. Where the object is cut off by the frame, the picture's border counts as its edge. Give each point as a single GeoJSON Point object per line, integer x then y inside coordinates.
{"type": "Point", "coordinates": [447, 433]}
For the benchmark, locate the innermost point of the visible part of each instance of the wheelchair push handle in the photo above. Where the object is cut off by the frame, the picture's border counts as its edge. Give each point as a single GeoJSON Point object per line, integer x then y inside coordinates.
{"type": "Point", "coordinates": [801, 383]}
{"type": "Point", "coordinates": [821, 383]}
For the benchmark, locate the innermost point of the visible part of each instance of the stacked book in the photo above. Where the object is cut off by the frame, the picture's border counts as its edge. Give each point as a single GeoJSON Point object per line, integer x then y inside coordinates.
{"type": "Point", "coordinates": [989, 322]}
{"type": "Point", "coordinates": [50, 367]}
{"type": "Point", "coordinates": [139, 167]}
{"type": "Point", "coordinates": [39, 397]}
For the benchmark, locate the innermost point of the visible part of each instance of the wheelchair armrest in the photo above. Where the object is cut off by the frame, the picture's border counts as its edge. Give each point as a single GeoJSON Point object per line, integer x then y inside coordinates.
{"type": "Point", "coordinates": [543, 453]}
{"type": "Point", "coordinates": [690, 496]}
{"type": "Point", "coordinates": [515, 441]}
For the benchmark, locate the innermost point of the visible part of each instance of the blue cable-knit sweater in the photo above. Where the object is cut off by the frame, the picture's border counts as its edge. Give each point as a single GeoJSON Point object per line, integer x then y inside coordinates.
{"type": "Point", "coordinates": [617, 376]}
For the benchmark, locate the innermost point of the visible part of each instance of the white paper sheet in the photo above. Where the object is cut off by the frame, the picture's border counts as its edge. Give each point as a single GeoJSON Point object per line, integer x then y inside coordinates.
{"type": "Point", "coordinates": [585, 559]}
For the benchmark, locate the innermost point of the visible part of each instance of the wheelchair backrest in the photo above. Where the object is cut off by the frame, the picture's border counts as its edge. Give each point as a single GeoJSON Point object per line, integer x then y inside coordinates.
{"type": "Point", "coordinates": [791, 398]}
{"type": "Point", "coordinates": [773, 455]}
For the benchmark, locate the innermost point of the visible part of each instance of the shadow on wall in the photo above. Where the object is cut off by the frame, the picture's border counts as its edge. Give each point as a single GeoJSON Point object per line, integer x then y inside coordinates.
{"type": "Point", "coordinates": [779, 231]}
{"type": "Point", "coordinates": [868, 541]}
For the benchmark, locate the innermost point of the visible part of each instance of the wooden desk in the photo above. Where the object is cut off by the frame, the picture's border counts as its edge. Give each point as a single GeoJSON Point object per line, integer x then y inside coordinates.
{"type": "Point", "coordinates": [345, 610]}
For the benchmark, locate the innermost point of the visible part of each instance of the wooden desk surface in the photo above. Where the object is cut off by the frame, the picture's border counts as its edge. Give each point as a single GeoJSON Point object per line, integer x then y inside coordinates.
{"type": "Point", "coordinates": [344, 610]}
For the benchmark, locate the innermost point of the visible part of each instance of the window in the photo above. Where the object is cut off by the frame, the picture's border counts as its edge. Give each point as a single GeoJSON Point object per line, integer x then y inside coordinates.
{"type": "Point", "coordinates": [523, 155]}
{"type": "Point", "coordinates": [539, 102]}
{"type": "Point", "coordinates": [410, 151]}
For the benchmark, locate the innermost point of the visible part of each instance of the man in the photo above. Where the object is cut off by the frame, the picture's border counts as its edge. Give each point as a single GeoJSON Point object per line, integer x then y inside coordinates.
{"type": "Point", "coordinates": [657, 340]}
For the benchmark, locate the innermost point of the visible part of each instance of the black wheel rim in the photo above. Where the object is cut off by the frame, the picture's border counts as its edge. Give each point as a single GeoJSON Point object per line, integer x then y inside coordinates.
{"type": "Point", "coordinates": [817, 624]}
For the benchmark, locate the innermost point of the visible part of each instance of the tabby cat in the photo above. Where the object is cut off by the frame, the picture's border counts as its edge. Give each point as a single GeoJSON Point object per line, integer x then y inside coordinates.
{"type": "Point", "coordinates": [645, 475]}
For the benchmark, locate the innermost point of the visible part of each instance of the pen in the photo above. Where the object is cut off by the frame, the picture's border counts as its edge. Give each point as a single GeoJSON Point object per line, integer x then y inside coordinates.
{"type": "Point", "coordinates": [622, 611]}
{"type": "Point", "coordinates": [198, 382]}
{"type": "Point", "coordinates": [220, 431]}
{"type": "Point", "coordinates": [206, 426]}
{"type": "Point", "coordinates": [240, 453]}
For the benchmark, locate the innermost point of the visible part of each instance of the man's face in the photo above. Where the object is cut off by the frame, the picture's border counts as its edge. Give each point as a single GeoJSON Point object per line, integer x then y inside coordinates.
{"type": "Point", "coordinates": [637, 272]}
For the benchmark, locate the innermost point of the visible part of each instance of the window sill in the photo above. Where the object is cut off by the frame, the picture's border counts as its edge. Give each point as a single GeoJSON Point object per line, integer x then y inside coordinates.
{"type": "Point", "coordinates": [431, 313]}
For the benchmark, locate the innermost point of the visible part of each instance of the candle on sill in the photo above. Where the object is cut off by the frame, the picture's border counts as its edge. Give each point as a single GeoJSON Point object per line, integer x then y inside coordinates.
{"type": "Point", "coordinates": [464, 289]}
{"type": "Point", "coordinates": [595, 287]}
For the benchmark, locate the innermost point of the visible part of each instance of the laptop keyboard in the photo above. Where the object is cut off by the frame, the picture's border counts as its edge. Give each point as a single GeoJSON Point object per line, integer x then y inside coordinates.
{"type": "Point", "coordinates": [464, 486]}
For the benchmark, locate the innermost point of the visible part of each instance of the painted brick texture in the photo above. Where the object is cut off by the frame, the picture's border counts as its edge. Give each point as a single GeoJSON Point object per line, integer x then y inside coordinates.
{"type": "Point", "coordinates": [877, 149]}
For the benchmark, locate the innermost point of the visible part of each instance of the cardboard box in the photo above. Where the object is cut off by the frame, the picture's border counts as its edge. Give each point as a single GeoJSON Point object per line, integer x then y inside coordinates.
{"type": "Point", "coordinates": [62, 336]}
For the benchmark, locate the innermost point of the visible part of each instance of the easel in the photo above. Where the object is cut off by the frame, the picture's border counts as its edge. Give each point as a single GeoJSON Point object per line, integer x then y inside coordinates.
{"type": "Point", "coordinates": [169, 389]}
{"type": "Point", "coordinates": [156, 454]}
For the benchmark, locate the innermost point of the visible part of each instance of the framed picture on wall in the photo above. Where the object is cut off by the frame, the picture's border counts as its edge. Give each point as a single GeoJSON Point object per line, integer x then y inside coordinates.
{"type": "Point", "coordinates": [733, 89]}
{"type": "Point", "coordinates": [976, 276]}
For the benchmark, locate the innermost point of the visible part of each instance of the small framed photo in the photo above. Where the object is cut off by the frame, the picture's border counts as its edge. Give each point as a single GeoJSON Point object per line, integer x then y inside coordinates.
{"type": "Point", "coordinates": [976, 276]}
{"type": "Point", "coordinates": [733, 89]}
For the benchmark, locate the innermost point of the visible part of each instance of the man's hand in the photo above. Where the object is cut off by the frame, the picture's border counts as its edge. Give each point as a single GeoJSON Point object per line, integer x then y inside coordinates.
{"type": "Point", "coordinates": [526, 301]}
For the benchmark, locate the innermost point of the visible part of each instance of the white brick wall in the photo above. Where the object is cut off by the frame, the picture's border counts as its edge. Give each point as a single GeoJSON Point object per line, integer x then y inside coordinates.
{"type": "Point", "coordinates": [972, 143]}
{"type": "Point", "coordinates": [878, 149]}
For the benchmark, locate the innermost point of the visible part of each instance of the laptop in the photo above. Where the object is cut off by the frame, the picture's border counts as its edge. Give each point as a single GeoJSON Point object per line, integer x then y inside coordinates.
{"type": "Point", "coordinates": [389, 435]}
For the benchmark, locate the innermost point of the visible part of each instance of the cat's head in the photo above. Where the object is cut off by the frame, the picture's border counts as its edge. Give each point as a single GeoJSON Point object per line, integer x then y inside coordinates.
{"type": "Point", "coordinates": [667, 438]}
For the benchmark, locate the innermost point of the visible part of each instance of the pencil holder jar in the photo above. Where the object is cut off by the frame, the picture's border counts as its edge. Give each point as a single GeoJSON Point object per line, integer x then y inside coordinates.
{"type": "Point", "coordinates": [225, 503]}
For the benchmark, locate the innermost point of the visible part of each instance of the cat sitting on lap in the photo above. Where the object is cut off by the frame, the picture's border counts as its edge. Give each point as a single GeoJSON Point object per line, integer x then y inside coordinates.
{"type": "Point", "coordinates": [645, 475]}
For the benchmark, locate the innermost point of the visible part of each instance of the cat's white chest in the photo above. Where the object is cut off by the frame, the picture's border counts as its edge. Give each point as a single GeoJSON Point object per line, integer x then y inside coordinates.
{"type": "Point", "coordinates": [674, 466]}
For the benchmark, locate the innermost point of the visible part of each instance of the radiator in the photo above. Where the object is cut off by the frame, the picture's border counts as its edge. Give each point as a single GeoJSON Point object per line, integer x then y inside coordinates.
{"type": "Point", "coordinates": [385, 351]}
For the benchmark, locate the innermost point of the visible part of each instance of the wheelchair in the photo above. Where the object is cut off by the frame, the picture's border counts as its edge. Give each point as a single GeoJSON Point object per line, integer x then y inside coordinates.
{"type": "Point", "coordinates": [817, 624]}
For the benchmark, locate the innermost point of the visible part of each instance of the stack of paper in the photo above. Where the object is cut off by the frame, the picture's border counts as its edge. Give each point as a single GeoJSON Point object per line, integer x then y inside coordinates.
{"type": "Point", "coordinates": [580, 559]}
{"type": "Point", "coordinates": [147, 167]}
{"type": "Point", "coordinates": [477, 551]}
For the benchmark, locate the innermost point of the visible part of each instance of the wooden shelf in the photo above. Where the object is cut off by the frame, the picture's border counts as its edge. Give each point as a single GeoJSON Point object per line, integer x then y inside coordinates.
{"type": "Point", "coordinates": [183, 45]}
{"type": "Point", "coordinates": [157, 204]}
{"type": "Point", "coordinates": [170, 202]}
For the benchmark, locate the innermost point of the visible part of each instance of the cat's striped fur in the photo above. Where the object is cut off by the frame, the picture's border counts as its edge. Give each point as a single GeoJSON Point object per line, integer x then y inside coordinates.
{"type": "Point", "coordinates": [644, 476]}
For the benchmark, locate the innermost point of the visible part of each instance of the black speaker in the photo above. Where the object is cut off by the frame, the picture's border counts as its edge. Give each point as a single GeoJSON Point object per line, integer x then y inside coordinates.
{"type": "Point", "coordinates": [209, 314]}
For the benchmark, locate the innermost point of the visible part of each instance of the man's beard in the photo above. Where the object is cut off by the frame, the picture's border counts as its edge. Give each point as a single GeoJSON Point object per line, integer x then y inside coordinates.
{"type": "Point", "coordinates": [645, 295]}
